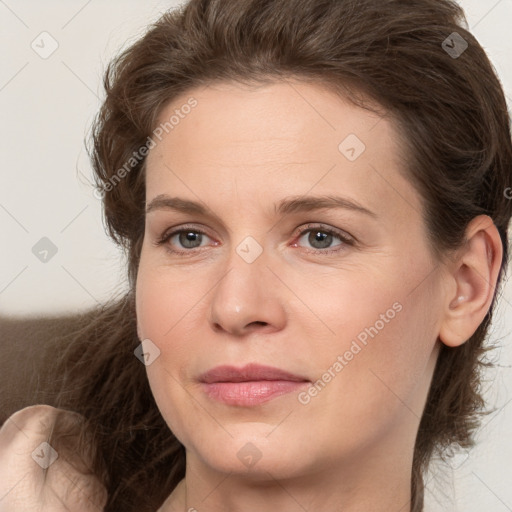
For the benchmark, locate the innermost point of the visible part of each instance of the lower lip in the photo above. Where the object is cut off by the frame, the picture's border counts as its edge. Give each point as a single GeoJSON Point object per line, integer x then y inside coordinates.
{"type": "Point", "coordinates": [250, 393]}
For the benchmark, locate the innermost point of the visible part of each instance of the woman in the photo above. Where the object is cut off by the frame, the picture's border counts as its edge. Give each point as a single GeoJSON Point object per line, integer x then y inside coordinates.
{"type": "Point", "coordinates": [312, 198]}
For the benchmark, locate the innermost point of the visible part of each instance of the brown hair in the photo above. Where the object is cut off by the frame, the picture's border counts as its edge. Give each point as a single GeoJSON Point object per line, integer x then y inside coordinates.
{"type": "Point", "coordinates": [449, 110]}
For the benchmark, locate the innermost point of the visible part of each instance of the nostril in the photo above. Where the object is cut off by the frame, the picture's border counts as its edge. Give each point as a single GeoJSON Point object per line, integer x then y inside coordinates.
{"type": "Point", "coordinates": [259, 323]}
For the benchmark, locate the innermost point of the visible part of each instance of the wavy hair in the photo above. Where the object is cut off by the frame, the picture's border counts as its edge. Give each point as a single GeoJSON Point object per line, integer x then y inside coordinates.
{"type": "Point", "coordinates": [388, 56]}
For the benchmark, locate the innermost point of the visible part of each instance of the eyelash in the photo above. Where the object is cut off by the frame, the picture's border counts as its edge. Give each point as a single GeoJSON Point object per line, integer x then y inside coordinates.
{"type": "Point", "coordinates": [310, 227]}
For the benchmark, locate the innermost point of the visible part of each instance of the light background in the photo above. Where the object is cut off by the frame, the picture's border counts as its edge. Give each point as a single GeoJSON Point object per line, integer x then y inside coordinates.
{"type": "Point", "coordinates": [47, 106]}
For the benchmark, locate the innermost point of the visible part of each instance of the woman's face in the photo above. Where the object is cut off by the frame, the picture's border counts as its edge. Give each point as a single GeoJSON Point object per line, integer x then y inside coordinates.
{"type": "Point", "coordinates": [270, 269]}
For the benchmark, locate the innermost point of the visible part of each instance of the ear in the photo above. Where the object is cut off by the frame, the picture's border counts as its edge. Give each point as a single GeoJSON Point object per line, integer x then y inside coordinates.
{"type": "Point", "coordinates": [473, 275]}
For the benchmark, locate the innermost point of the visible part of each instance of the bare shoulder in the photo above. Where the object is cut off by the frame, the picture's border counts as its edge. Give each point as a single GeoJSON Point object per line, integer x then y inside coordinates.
{"type": "Point", "coordinates": [35, 473]}
{"type": "Point", "coordinates": [33, 417]}
{"type": "Point", "coordinates": [35, 421]}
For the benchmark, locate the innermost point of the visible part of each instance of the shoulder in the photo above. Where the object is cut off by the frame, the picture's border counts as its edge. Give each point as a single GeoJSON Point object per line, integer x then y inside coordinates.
{"type": "Point", "coordinates": [41, 424]}
{"type": "Point", "coordinates": [29, 420]}
{"type": "Point", "coordinates": [33, 466]}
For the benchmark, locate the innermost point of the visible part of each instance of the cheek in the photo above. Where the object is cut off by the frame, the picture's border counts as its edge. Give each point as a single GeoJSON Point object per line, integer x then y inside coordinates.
{"type": "Point", "coordinates": [376, 362]}
{"type": "Point", "coordinates": [375, 388]}
{"type": "Point", "coordinates": [399, 357]}
{"type": "Point", "coordinates": [162, 307]}
{"type": "Point", "coordinates": [164, 300]}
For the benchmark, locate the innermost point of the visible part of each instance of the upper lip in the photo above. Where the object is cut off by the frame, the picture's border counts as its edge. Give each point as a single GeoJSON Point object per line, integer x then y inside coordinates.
{"type": "Point", "coordinates": [250, 372]}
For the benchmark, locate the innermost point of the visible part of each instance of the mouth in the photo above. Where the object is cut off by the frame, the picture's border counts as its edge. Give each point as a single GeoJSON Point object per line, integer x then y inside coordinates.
{"type": "Point", "coordinates": [251, 385]}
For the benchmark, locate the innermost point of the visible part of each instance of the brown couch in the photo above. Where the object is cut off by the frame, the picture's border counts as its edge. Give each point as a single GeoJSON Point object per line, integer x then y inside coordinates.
{"type": "Point", "coordinates": [26, 348]}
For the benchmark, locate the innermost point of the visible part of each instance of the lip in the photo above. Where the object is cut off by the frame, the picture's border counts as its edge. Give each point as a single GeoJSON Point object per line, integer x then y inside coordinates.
{"type": "Point", "coordinates": [250, 385]}
{"type": "Point", "coordinates": [249, 372]}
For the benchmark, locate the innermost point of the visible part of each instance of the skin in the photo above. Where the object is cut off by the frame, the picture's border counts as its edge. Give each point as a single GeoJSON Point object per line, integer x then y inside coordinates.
{"type": "Point", "coordinates": [31, 480]}
{"type": "Point", "coordinates": [294, 307]}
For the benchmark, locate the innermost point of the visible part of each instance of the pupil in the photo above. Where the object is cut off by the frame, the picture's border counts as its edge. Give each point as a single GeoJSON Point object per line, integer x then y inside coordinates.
{"type": "Point", "coordinates": [190, 237]}
{"type": "Point", "coordinates": [323, 238]}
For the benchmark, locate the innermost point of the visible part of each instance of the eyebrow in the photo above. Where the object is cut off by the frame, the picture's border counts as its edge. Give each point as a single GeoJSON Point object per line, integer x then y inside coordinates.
{"type": "Point", "coordinates": [286, 206]}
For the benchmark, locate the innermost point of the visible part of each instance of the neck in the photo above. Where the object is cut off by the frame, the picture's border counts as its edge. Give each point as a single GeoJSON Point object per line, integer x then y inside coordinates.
{"type": "Point", "coordinates": [382, 486]}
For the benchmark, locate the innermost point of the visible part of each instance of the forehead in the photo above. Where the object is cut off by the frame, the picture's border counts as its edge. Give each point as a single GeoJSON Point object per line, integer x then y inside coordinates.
{"type": "Point", "coordinates": [275, 140]}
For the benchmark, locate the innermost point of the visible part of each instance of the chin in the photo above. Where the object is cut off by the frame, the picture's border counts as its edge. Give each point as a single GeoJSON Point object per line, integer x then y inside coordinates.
{"type": "Point", "coordinates": [252, 452]}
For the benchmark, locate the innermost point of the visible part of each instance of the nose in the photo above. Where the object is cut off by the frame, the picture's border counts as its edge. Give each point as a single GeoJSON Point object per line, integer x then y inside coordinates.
{"type": "Point", "coordinates": [248, 298]}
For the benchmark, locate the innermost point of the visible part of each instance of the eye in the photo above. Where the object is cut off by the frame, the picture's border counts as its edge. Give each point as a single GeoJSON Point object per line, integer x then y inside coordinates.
{"type": "Point", "coordinates": [188, 238]}
{"type": "Point", "coordinates": [321, 239]}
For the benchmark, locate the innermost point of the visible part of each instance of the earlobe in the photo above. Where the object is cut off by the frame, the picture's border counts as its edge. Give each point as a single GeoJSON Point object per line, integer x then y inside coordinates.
{"type": "Point", "coordinates": [474, 273]}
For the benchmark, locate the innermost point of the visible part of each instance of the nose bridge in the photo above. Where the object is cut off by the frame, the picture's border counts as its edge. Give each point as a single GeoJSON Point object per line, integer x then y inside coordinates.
{"type": "Point", "coordinates": [246, 266]}
{"type": "Point", "coordinates": [244, 295]}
